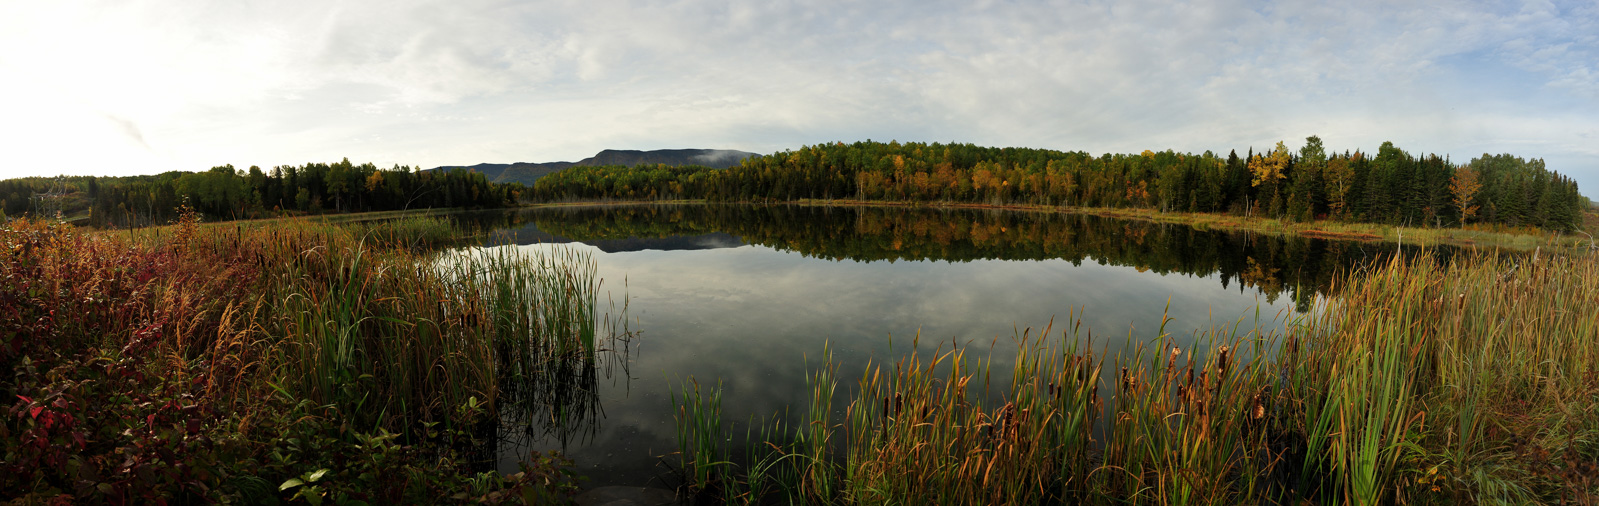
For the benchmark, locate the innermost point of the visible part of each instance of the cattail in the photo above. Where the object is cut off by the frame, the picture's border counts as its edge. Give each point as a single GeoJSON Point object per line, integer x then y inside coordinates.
{"type": "Point", "coordinates": [1005, 418]}
{"type": "Point", "coordinates": [1222, 360]}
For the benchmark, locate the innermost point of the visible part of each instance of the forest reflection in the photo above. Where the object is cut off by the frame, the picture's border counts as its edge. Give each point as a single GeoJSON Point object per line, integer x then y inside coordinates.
{"type": "Point", "coordinates": [1296, 267]}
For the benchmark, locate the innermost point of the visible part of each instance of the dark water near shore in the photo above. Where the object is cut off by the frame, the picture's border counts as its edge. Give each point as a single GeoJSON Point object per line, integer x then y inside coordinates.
{"type": "Point", "coordinates": [748, 296]}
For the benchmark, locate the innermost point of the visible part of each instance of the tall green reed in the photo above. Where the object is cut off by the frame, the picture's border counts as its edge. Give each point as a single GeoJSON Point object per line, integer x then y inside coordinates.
{"type": "Point", "coordinates": [401, 339]}
{"type": "Point", "coordinates": [1467, 382]}
{"type": "Point", "coordinates": [544, 323]}
{"type": "Point", "coordinates": [702, 437]}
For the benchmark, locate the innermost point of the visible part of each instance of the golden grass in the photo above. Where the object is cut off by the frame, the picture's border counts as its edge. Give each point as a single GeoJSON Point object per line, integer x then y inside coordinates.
{"type": "Point", "coordinates": [1467, 383]}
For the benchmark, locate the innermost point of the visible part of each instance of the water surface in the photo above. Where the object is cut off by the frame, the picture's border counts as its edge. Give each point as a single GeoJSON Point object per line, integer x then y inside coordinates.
{"type": "Point", "coordinates": [748, 296]}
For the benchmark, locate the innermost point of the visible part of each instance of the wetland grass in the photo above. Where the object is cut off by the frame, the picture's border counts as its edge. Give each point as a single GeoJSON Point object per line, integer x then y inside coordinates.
{"type": "Point", "coordinates": [702, 436]}
{"type": "Point", "coordinates": [1472, 382]}
{"type": "Point", "coordinates": [289, 360]}
{"type": "Point", "coordinates": [413, 232]}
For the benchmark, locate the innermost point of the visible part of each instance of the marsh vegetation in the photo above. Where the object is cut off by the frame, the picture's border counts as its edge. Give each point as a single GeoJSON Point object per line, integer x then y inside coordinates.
{"type": "Point", "coordinates": [795, 354]}
{"type": "Point", "coordinates": [1423, 382]}
{"type": "Point", "coordinates": [283, 361]}
{"type": "Point", "coordinates": [1385, 385]}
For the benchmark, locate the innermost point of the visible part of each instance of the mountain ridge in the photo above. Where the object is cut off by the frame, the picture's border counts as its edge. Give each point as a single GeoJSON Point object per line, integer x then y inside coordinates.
{"type": "Point", "coordinates": [529, 172]}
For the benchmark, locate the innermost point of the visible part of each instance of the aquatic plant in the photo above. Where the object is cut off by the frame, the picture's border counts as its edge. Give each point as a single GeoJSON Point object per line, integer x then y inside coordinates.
{"type": "Point", "coordinates": [1471, 382]}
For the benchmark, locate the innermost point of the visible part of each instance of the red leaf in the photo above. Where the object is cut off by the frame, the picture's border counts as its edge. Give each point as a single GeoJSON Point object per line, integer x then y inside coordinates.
{"type": "Point", "coordinates": [35, 412]}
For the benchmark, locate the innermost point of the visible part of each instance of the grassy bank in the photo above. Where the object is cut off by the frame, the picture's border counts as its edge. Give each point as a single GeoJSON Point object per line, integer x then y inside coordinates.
{"type": "Point", "coordinates": [423, 229]}
{"type": "Point", "coordinates": [1470, 383]}
{"type": "Point", "coordinates": [282, 361]}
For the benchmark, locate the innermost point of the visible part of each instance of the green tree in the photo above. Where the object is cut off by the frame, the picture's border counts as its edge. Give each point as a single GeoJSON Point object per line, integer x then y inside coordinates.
{"type": "Point", "coordinates": [1305, 190]}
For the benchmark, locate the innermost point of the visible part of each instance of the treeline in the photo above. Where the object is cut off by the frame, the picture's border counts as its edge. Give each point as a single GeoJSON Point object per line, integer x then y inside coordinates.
{"type": "Point", "coordinates": [226, 193]}
{"type": "Point", "coordinates": [640, 182]}
{"type": "Point", "coordinates": [41, 195]}
{"type": "Point", "coordinates": [1391, 186]}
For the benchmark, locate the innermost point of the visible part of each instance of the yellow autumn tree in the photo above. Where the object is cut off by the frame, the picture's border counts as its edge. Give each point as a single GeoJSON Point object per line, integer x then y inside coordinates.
{"type": "Point", "coordinates": [1268, 169]}
{"type": "Point", "coordinates": [374, 181]}
{"type": "Point", "coordinates": [1463, 187]}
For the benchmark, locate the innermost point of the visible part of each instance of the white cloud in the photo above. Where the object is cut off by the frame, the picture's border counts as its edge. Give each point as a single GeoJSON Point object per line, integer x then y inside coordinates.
{"type": "Point", "coordinates": [431, 83]}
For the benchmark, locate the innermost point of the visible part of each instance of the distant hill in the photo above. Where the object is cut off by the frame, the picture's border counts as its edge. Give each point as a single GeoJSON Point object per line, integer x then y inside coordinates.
{"type": "Point", "coordinates": [521, 172]}
{"type": "Point", "coordinates": [526, 172]}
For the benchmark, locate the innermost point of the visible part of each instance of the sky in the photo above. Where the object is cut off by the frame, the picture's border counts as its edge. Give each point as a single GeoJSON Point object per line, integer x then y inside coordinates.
{"type": "Point", "coordinates": [142, 87]}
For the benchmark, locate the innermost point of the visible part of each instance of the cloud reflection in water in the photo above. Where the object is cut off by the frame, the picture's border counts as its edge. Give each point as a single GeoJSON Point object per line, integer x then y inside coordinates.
{"type": "Point", "coordinates": [757, 319]}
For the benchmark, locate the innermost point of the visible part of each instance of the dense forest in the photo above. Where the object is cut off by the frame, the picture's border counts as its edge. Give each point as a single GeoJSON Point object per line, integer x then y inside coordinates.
{"type": "Point", "coordinates": [225, 193]}
{"type": "Point", "coordinates": [1391, 186]}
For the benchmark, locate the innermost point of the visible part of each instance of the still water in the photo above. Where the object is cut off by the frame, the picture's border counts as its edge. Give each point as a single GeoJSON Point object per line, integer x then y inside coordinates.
{"type": "Point", "coordinates": [749, 297]}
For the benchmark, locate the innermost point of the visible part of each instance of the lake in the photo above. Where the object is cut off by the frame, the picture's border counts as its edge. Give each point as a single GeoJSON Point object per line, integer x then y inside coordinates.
{"type": "Point", "coordinates": [749, 296]}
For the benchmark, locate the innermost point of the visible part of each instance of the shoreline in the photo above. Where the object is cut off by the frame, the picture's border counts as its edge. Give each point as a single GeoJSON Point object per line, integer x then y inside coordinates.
{"type": "Point", "coordinates": [1522, 240]}
{"type": "Point", "coordinates": [1318, 229]}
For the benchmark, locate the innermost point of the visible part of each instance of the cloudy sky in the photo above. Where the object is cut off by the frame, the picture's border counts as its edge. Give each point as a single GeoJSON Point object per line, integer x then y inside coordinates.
{"type": "Point", "coordinates": [133, 87]}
